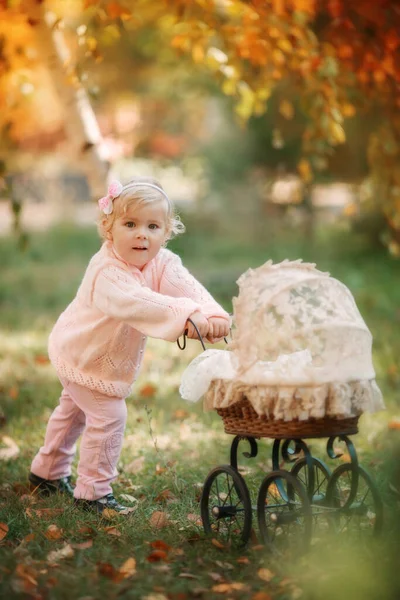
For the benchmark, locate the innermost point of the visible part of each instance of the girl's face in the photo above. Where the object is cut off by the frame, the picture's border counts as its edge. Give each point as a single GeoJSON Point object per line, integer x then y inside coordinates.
{"type": "Point", "coordinates": [139, 233]}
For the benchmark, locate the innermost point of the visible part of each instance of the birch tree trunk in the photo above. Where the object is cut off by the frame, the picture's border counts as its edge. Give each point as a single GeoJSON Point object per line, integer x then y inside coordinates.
{"type": "Point", "coordinates": [83, 146]}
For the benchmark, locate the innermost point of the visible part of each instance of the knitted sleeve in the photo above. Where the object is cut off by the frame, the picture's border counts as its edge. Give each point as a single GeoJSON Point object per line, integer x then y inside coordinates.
{"type": "Point", "coordinates": [118, 295]}
{"type": "Point", "coordinates": [177, 281]}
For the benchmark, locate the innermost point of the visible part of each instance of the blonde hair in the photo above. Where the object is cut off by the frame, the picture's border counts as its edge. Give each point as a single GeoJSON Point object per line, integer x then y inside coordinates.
{"type": "Point", "coordinates": [135, 194]}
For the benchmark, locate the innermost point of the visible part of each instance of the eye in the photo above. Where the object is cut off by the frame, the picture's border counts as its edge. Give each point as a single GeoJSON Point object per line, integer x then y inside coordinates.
{"type": "Point", "coordinates": [153, 226]}
{"type": "Point", "coordinates": [130, 224]}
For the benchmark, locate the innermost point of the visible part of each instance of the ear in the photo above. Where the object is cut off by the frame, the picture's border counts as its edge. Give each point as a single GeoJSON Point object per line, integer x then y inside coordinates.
{"type": "Point", "coordinates": [109, 235]}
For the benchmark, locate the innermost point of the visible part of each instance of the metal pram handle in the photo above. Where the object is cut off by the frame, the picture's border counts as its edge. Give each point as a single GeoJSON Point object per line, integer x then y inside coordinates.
{"type": "Point", "coordinates": [183, 346]}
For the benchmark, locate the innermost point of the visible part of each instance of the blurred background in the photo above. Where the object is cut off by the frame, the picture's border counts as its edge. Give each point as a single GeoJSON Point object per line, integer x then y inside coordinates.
{"type": "Point", "coordinates": [273, 125]}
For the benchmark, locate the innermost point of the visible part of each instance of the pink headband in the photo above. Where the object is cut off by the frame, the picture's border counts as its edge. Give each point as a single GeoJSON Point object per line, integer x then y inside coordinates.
{"type": "Point", "coordinates": [116, 188]}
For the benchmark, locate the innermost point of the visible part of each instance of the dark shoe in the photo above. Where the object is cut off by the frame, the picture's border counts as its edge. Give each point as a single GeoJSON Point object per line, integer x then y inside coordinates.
{"type": "Point", "coordinates": [101, 504]}
{"type": "Point", "coordinates": [46, 487]}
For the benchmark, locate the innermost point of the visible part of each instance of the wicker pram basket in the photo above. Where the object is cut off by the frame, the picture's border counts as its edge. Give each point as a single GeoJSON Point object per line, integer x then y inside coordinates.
{"type": "Point", "coordinates": [240, 418]}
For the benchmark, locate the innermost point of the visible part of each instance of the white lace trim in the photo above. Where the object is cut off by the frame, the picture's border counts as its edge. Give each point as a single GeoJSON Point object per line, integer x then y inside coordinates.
{"type": "Point", "coordinates": [337, 400]}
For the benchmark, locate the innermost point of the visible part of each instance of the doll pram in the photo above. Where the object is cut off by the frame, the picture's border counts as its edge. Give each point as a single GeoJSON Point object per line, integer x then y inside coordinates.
{"type": "Point", "coordinates": [292, 309]}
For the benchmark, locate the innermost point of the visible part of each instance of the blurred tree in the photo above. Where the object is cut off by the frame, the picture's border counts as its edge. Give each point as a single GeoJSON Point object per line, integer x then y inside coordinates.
{"type": "Point", "coordinates": [342, 58]}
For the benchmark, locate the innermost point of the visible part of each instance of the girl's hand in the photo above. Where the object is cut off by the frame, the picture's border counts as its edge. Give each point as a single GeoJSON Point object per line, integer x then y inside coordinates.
{"type": "Point", "coordinates": [219, 328]}
{"type": "Point", "coordinates": [201, 323]}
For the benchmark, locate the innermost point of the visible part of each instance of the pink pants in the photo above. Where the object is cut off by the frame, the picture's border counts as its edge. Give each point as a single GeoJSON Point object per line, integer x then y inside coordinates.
{"type": "Point", "coordinates": [102, 420]}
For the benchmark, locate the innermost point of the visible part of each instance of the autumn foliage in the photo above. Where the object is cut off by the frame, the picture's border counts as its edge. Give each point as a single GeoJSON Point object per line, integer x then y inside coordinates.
{"type": "Point", "coordinates": [341, 57]}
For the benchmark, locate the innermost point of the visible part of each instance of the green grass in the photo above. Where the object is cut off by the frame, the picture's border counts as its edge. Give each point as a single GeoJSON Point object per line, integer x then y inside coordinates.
{"type": "Point", "coordinates": [179, 443]}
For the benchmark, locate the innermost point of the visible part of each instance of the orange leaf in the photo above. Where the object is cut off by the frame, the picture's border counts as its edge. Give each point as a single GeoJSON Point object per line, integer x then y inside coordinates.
{"type": "Point", "coordinates": [166, 496]}
{"type": "Point", "coordinates": [148, 390]}
{"type": "Point", "coordinates": [13, 392]}
{"type": "Point", "coordinates": [394, 423]}
{"type": "Point", "coordinates": [53, 532]}
{"type": "Point", "coordinates": [115, 11]}
{"type": "Point", "coordinates": [160, 545]}
{"type": "Point", "coordinates": [3, 531]}
{"type": "Point", "coordinates": [157, 556]}
{"type": "Point", "coordinates": [159, 519]}
{"type": "Point", "coordinates": [217, 544]}
{"type": "Point", "coordinates": [261, 596]}
{"type": "Point", "coordinates": [42, 359]}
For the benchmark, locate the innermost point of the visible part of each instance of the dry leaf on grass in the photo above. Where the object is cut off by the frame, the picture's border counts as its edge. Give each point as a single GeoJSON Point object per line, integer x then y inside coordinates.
{"type": "Point", "coordinates": [24, 579]}
{"type": "Point", "coordinates": [3, 531]}
{"type": "Point", "coordinates": [11, 450]}
{"type": "Point", "coordinates": [265, 574]}
{"type": "Point", "coordinates": [112, 531]}
{"type": "Point", "coordinates": [261, 596]}
{"type": "Point", "coordinates": [166, 496]}
{"type": "Point", "coordinates": [53, 532]}
{"type": "Point", "coordinates": [159, 519]}
{"type": "Point", "coordinates": [218, 544]}
{"type": "Point", "coordinates": [157, 556]}
{"type": "Point", "coordinates": [56, 555]}
{"type": "Point", "coordinates": [128, 568]}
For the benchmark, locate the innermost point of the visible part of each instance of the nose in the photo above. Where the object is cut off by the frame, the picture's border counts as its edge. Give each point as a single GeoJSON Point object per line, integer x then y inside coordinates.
{"type": "Point", "coordinates": [141, 233]}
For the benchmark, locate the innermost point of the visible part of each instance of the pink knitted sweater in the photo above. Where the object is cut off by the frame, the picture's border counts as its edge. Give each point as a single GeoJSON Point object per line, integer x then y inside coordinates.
{"type": "Point", "coordinates": [98, 341]}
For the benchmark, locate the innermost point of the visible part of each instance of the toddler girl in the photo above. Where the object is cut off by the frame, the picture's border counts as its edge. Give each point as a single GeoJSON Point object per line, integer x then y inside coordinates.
{"type": "Point", "coordinates": [133, 288]}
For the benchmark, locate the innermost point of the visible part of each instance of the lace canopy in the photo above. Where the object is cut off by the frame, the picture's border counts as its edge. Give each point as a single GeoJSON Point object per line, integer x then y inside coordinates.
{"type": "Point", "coordinates": [299, 349]}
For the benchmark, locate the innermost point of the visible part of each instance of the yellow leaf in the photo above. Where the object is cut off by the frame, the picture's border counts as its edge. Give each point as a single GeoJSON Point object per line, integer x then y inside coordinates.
{"type": "Point", "coordinates": [286, 109]}
{"type": "Point", "coordinates": [285, 45]}
{"type": "Point", "coordinates": [265, 574]}
{"type": "Point", "coordinates": [198, 53]}
{"type": "Point", "coordinates": [337, 133]}
{"type": "Point", "coordinates": [128, 568]}
{"type": "Point", "coordinates": [304, 168]}
{"type": "Point", "coordinates": [229, 87]}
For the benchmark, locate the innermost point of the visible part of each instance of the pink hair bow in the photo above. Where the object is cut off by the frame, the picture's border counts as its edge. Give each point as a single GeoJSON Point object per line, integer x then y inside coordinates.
{"type": "Point", "coordinates": [106, 203]}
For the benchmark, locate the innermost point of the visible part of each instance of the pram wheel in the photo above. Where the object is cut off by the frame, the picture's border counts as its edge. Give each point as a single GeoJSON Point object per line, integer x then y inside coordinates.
{"type": "Point", "coordinates": [316, 487]}
{"type": "Point", "coordinates": [284, 512]}
{"type": "Point", "coordinates": [358, 508]}
{"type": "Point", "coordinates": [225, 506]}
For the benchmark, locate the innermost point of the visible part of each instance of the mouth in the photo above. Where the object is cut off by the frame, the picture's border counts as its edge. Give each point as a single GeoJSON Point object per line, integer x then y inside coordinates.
{"type": "Point", "coordinates": [140, 248]}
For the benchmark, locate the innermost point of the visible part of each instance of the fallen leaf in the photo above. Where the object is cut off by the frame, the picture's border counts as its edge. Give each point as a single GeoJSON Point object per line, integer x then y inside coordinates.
{"type": "Point", "coordinates": [112, 531]}
{"type": "Point", "coordinates": [160, 545]}
{"type": "Point", "coordinates": [187, 576]}
{"type": "Point", "coordinates": [109, 514]}
{"type": "Point", "coordinates": [159, 519]}
{"type": "Point", "coordinates": [128, 568]}
{"type": "Point", "coordinates": [13, 392]}
{"type": "Point", "coordinates": [157, 556]}
{"type": "Point", "coordinates": [261, 596]}
{"type": "Point", "coordinates": [148, 390]}
{"type": "Point", "coordinates": [24, 579]}
{"type": "Point", "coordinates": [53, 532]}
{"type": "Point", "coordinates": [83, 545]}
{"type": "Point", "coordinates": [217, 544]}
{"type": "Point", "coordinates": [3, 531]}
{"type": "Point", "coordinates": [216, 576]}
{"type": "Point", "coordinates": [11, 450]}
{"type": "Point", "coordinates": [128, 498]}
{"type": "Point", "coordinates": [180, 414]}
{"type": "Point", "coordinates": [243, 560]}
{"type": "Point", "coordinates": [265, 574]}
{"type": "Point", "coordinates": [394, 423]}
{"type": "Point", "coordinates": [42, 359]}
{"type": "Point", "coordinates": [166, 496]}
{"type": "Point", "coordinates": [56, 555]}
{"type": "Point", "coordinates": [135, 466]}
